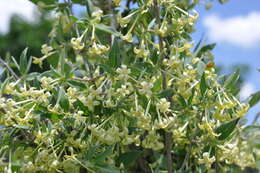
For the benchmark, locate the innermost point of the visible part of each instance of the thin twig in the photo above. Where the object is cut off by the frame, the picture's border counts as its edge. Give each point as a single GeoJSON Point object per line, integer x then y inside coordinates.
{"type": "Point", "coordinates": [9, 68]}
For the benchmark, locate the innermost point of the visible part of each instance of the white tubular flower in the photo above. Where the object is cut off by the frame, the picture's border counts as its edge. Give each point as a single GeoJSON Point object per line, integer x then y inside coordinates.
{"type": "Point", "coordinates": [46, 83]}
{"type": "Point", "coordinates": [77, 44]}
{"type": "Point", "coordinates": [142, 52]}
{"type": "Point", "coordinates": [97, 14]}
{"type": "Point", "coordinates": [98, 49]}
{"type": "Point", "coordinates": [128, 37]}
{"type": "Point", "coordinates": [163, 105]}
{"type": "Point", "coordinates": [91, 103]}
{"type": "Point", "coordinates": [123, 21]}
{"type": "Point", "coordinates": [242, 110]}
{"type": "Point", "coordinates": [46, 49]}
{"type": "Point", "coordinates": [207, 160]}
{"type": "Point", "coordinates": [172, 62]}
{"type": "Point", "coordinates": [146, 88]}
{"type": "Point", "coordinates": [123, 72]}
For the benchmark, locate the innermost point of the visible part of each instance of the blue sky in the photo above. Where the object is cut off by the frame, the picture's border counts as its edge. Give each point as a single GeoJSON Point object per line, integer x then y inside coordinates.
{"type": "Point", "coordinates": [234, 26]}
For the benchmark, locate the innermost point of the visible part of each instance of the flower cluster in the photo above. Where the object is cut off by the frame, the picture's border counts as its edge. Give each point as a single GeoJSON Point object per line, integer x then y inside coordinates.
{"type": "Point", "coordinates": [126, 94]}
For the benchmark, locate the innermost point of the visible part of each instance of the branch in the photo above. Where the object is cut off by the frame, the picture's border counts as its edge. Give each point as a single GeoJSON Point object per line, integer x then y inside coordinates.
{"type": "Point", "coordinates": [168, 135]}
{"type": "Point", "coordinates": [9, 69]}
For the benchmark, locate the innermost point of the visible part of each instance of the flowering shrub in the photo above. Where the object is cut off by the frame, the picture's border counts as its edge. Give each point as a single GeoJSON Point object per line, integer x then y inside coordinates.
{"type": "Point", "coordinates": [124, 93]}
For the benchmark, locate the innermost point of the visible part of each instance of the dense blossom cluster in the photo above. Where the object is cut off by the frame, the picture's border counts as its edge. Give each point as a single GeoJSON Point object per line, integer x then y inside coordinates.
{"type": "Point", "coordinates": [143, 83]}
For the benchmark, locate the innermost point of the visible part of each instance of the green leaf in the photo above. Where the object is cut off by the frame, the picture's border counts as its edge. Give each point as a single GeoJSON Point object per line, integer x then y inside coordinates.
{"type": "Point", "coordinates": [114, 55]}
{"type": "Point", "coordinates": [3, 85]}
{"type": "Point", "coordinates": [157, 85]}
{"type": "Point", "coordinates": [15, 62]}
{"type": "Point", "coordinates": [107, 69]}
{"type": "Point", "coordinates": [191, 97]}
{"type": "Point", "coordinates": [232, 80]}
{"type": "Point", "coordinates": [48, 2]}
{"type": "Point", "coordinates": [107, 29]}
{"type": "Point", "coordinates": [89, 7]}
{"type": "Point", "coordinates": [91, 151]}
{"type": "Point", "coordinates": [198, 44]}
{"type": "Point", "coordinates": [32, 76]}
{"type": "Point", "coordinates": [203, 85]}
{"type": "Point", "coordinates": [76, 84]}
{"type": "Point", "coordinates": [23, 62]}
{"type": "Point", "coordinates": [255, 98]}
{"type": "Point", "coordinates": [226, 129]}
{"type": "Point", "coordinates": [63, 100]}
{"type": "Point", "coordinates": [201, 67]}
{"type": "Point", "coordinates": [102, 156]}
{"type": "Point", "coordinates": [222, 1]}
{"type": "Point", "coordinates": [129, 158]}
{"type": "Point", "coordinates": [166, 93]}
{"type": "Point", "coordinates": [107, 169]}
{"type": "Point", "coordinates": [205, 48]}
{"type": "Point", "coordinates": [182, 101]}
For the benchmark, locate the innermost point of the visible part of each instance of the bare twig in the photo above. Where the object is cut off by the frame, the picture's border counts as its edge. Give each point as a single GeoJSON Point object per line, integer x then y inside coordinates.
{"type": "Point", "coordinates": [9, 68]}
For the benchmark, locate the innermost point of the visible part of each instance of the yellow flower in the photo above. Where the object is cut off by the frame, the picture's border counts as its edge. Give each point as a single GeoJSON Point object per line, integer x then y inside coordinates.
{"type": "Point", "coordinates": [207, 160]}
{"type": "Point", "coordinates": [38, 61]}
{"type": "Point", "coordinates": [123, 72]}
{"type": "Point", "coordinates": [91, 103]}
{"type": "Point", "coordinates": [46, 49]}
{"type": "Point", "coordinates": [163, 105]}
{"type": "Point", "coordinates": [145, 88]}
{"type": "Point", "coordinates": [76, 43]}
{"type": "Point", "coordinates": [98, 49]}
{"type": "Point", "coordinates": [128, 37]}
{"type": "Point", "coordinates": [97, 13]}
{"type": "Point", "coordinates": [117, 3]}
{"type": "Point", "coordinates": [141, 52]}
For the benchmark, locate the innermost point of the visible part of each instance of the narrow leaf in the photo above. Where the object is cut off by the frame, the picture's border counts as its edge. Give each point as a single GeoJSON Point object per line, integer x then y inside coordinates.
{"type": "Point", "coordinates": [226, 129]}
{"type": "Point", "coordinates": [114, 55]}
{"type": "Point", "coordinates": [23, 61]}
{"type": "Point", "coordinates": [203, 85]}
{"type": "Point", "coordinates": [255, 98]}
{"type": "Point", "coordinates": [166, 93]}
{"type": "Point", "coordinates": [129, 158]}
{"type": "Point", "coordinates": [63, 100]}
{"type": "Point", "coordinates": [232, 80]}
{"type": "Point", "coordinates": [107, 29]}
{"type": "Point", "coordinates": [205, 48]}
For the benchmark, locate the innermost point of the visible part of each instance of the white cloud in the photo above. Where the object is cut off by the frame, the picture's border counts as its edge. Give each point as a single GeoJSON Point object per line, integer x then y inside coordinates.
{"type": "Point", "coordinates": [243, 31]}
{"type": "Point", "coordinates": [246, 90]}
{"type": "Point", "coordinates": [23, 8]}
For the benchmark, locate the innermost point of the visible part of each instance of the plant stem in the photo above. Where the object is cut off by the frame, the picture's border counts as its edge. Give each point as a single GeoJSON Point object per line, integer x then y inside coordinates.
{"type": "Point", "coordinates": [168, 135]}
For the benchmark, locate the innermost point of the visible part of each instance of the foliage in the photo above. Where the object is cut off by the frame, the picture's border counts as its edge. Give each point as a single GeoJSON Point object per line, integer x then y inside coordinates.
{"type": "Point", "coordinates": [124, 93]}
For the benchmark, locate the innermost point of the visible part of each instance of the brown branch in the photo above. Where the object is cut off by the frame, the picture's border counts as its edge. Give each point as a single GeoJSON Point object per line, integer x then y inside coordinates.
{"type": "Point", "coordinates": [168, 135]}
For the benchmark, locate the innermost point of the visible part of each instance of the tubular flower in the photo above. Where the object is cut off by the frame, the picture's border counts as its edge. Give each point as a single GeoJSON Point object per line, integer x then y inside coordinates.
{"type": "Point", "coordinates": [142, 52]}
{"type": "Point", "coordinates": [98, 49]}
{"type": "Point", "coordinates": [163, 105]}
{"type": "Point", "coordinates": [145, 88]}
{"type": "Point", "coordinates": [123, 72]}
{"type": "Point", "coordinates": [97, 14]}
{"type": "Point", "coordinates": [77, 44]}
{"type": "Point", "coordinates": [46, 49]}
{"type": "Point", "coordinates": [128, 37]}
{"type": "Point", "coordinates": [207, 160]}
